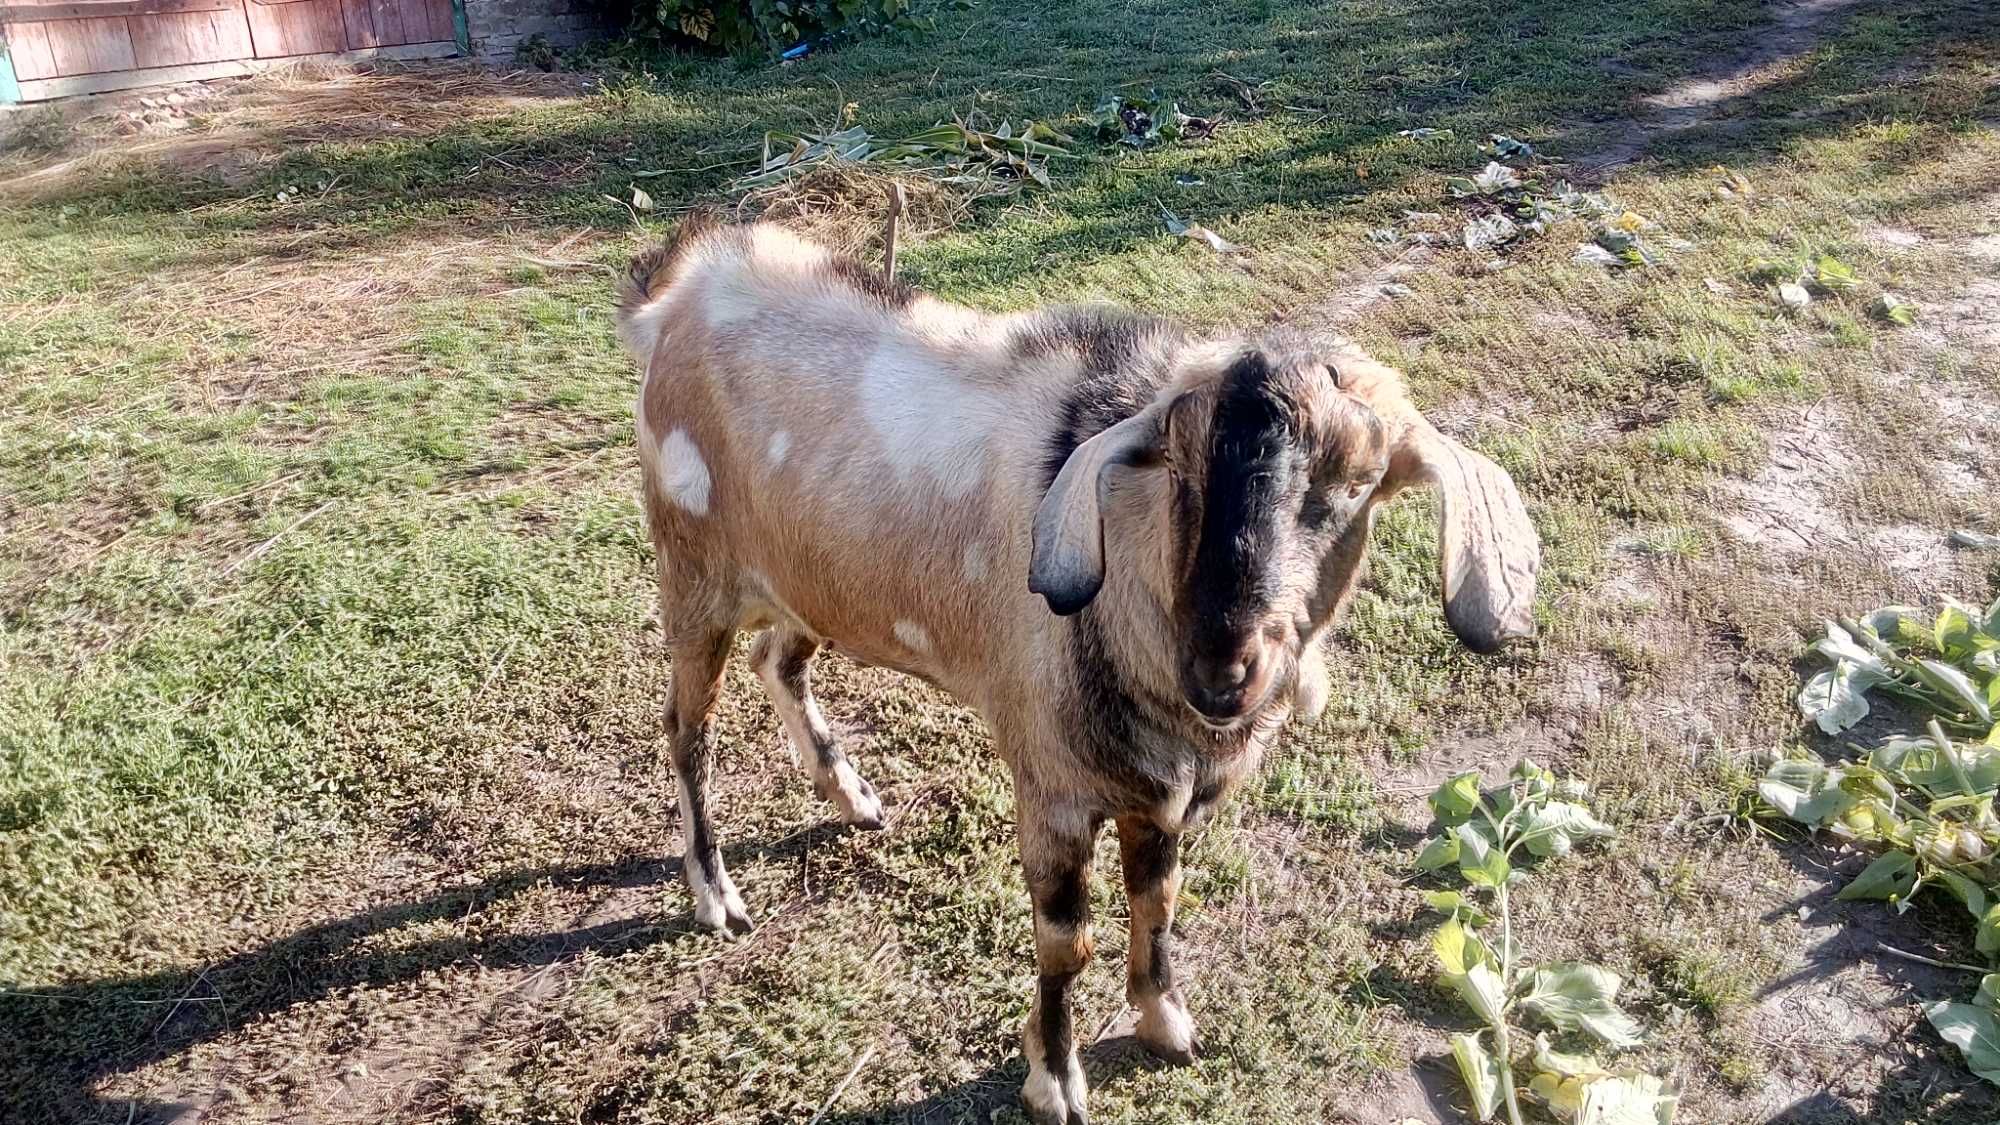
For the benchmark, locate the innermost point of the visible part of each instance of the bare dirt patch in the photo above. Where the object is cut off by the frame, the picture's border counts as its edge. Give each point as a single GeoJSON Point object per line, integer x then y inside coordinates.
{"type": "Point", "coordinates": [1701, 98]}
{"type": "Point", "coordinates": [232, 128]}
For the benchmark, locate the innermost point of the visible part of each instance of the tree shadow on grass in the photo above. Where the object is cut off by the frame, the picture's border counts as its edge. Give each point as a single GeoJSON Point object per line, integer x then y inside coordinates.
{"type": "Point", "coordinates": [1357, 79]}
{"type": "Point", "coordinates": [64, 1041]}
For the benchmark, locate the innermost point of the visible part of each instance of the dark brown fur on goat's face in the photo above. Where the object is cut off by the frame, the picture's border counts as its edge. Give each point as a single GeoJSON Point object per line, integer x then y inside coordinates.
{"type": "Point", "coordinates": [1273, 473]}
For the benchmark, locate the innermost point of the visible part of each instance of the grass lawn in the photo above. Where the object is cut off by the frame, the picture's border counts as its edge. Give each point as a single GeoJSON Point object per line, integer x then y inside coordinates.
{"type": "Point", "coordinates": [331, 784]}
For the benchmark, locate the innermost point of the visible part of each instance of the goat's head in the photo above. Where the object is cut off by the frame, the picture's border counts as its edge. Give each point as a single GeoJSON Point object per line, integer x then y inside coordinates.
{"type": "Point", "coordinates": [1266, 463]}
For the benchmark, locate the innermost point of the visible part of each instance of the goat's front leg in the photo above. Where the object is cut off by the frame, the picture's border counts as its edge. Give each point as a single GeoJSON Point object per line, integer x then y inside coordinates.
{"type": "Point", "coordinates": [1055, 855]}
{"type": "Point", "coordinates": [1152, 862]}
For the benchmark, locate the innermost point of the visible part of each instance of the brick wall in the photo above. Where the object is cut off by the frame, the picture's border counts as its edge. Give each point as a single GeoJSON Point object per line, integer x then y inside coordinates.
{"type": "Point", "coordinates": [498, 26]}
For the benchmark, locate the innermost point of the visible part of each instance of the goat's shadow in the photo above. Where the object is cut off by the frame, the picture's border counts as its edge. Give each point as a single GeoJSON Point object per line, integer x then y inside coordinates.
{"type": "Point", "coordinates": [63, 1041]}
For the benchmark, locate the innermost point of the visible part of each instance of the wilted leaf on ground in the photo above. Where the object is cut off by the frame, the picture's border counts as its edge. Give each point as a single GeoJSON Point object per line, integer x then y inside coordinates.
{"type": "Point", "coordinates": [1488, 232]}
{"type": "Point", "coordinates": [1837, 698]}
{"type": "Point", "coordinates": [1425, 134]}
{"type": "Point", "coordinates": [1978, 540]}
{"type": "Point", "coordinates": [1503, 147]}
{"type": "Point", "coordinates": [1626, 1099]}
{"type": "Point", "coordinates": [1833, 275]}
{"type": "Point", "coordinates": [640, 200]}
{"type": "Point", "coordinates": [1895, 310]}
{"type": "Point", "coordinates": [1177, 225]}
{"type": "Point", "coordinates": [1590, 253]}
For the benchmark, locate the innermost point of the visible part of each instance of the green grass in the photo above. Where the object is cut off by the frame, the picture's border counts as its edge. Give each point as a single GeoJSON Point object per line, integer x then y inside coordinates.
{"type": "Point", "coordinates": [329, 770]}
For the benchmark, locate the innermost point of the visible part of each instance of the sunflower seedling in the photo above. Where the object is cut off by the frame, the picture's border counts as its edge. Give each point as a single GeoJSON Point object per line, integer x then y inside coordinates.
{"type": "Point", "coordinates": [1482, 833]}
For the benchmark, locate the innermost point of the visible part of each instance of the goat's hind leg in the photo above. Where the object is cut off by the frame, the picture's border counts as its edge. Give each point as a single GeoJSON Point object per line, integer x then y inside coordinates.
{"type": "Point", "coordinates": [783, 659]}
{"type": "Point", "coordinates": [697, 685]}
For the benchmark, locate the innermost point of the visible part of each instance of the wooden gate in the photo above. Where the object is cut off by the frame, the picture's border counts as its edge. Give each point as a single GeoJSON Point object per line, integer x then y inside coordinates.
{"type": "Point", "coordinates": [89, 45]}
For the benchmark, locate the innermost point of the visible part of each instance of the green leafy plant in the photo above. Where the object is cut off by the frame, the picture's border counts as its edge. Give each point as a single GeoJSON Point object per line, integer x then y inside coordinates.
{"type": "Point", "coordinates": [1144, 121]}
{"type": "Point", "coordinates": [1947, 665]}
{"type": "Point", "coordinates": [1482, 835]}
{"type": "Point", "coordinates": [771, 26]}
{"type": "Point", "coordinates": [1924, 803]}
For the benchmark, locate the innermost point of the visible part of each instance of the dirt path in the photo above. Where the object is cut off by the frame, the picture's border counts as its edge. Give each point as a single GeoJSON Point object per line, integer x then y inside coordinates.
{"type": "Point", "coordinates": [1698, 99]}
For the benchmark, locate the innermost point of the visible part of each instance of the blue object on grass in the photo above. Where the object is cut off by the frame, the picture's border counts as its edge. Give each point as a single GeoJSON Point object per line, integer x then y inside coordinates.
{"type": "Point", "coordinates": [798, 52]}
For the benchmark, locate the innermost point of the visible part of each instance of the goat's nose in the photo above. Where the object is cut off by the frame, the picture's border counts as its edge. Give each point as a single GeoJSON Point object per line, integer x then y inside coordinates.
{"type": "Point", "coordinates": [1218, 686]}
{"type": "Point", "coordinates": [1232, 674]}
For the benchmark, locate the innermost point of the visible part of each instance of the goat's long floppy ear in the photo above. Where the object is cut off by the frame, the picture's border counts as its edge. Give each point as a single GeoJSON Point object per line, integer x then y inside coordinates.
{"type": "Point", "coordinates": [1067, 565]}
{"type": "Point", "coordinates": [1488, 549]}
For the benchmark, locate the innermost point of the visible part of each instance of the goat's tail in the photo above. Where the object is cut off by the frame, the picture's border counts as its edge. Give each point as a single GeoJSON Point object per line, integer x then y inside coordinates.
{"type": "Point", "coordinates": [647, 277]}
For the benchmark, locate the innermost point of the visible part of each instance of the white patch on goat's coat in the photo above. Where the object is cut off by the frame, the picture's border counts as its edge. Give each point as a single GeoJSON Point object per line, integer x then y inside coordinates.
{"type": "Point", "coordinates": [914, 636]}
{"type": "Point", "coordinates": [780, 442]}
{"type": "Point", "coordinates": [928, 421]}
{"type": "Point", "coordinates": [974, 562]}
{"type": "Point", "coordinates": [683, 474]}
{"type": "Point", "coordinates": [728, 294]}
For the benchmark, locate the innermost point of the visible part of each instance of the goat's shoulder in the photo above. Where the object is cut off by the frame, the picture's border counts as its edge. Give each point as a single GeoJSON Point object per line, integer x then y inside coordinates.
{"type": "Point", "coordinates": [1112, 362]}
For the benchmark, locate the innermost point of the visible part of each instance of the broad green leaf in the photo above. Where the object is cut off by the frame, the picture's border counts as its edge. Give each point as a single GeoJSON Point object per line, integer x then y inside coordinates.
{"type": "Point", "coordinates": [1481, 1073]}
{"type": "Point", "coordinates": [1456, 799]}
{"type": "Point", "coordinates": [1989, 992]}
{"type": "Point", "coordinates": [1479, 861]}
{"type": "Point", "coordinates": [1483, 992]}
{"type": "Point", "coordinates": [1974, 1030]}
{"type": "Point", "coordinates": [1887, 622]}
{"type": "Point", "coordinates": [1556, 826]}
{"type": "Point", "coordinates": [1953, 630]}
{"type": "Point", "coordinates": [1439, 852]}
{"type": "Point", "coordinates": [1563, 1094]}
{"type": "Point", "coordinates": [1457, 905]}
{"type": "Point", "coordinates": [1578, 997]}
{"type": "Point", "coordinates": [1837, 699]}
{"type": "Point", "coordinates": [1891, 877]}
{"type": "Point", "coordinates": [1839, 645]}
{"type": "Point", "coordinates": [1987, 937]}
{"type": "Point", "coordinates": [1957, 686]}
{"type": "Point", "coordinates": [1832, 273]}
{"type": "Point", "coordinates": [1535, 778]}
{"type": "Point", "coordinates": [1626, 1099]}
{"type": "Point", "coordinates": [1895, 310]}
{"type": "Point", "coordinates": [1459, 949]}
{"type": "Point", "coordinates": [1966, 890]}
{"type": "Point", "coordinates": [1805, 790]}
{"type": "Point", "coordinates": [1561, 1063]}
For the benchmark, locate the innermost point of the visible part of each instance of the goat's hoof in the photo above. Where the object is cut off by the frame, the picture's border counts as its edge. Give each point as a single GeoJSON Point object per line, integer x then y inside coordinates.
{"type": "Point", "coordinates": [1173, 1056]}
{"type": "Point", "coordinates": [860, 807]}
{"type": "Point", "coordinates": [1053, 1098]}
{"type": "Point", "coordinates": [1167, 1033]}
{"type": "Point", "coordinates": [1061, 1113]}
{"type": "Point", "coordinates": [724, 914]}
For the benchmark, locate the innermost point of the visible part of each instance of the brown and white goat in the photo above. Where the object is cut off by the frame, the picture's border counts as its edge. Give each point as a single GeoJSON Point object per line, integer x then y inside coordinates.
{"type": "Point", "coordinates": [1120, 544]}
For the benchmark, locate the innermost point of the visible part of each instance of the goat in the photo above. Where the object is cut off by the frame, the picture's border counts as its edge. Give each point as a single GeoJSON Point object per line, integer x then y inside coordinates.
{"type": "Point", "coordinates": [1120, 543]}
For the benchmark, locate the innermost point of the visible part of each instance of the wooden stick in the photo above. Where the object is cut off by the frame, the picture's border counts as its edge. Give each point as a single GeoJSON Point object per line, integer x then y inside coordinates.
{"type": "Point", "coordinates": [897, 201]}
{"type": "Point", "coordinates": [1923, 960]}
